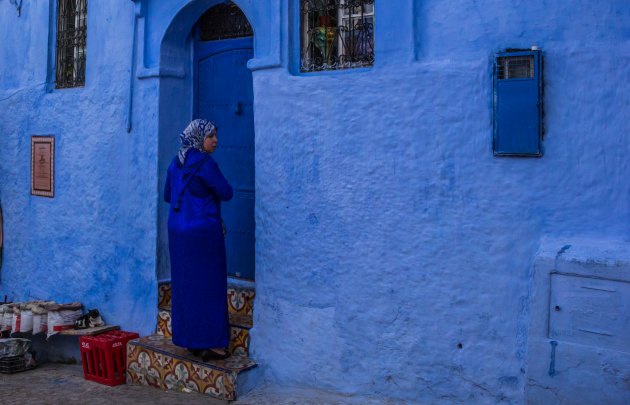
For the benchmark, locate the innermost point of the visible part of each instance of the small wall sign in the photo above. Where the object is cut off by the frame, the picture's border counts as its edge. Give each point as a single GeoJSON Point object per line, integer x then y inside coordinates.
{"type": "Point", "coordinates": [43, 166]}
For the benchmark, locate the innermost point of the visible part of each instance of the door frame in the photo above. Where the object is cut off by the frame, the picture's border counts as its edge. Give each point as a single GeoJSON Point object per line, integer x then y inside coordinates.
{"type": "Point", "coordinates": [176, 95]}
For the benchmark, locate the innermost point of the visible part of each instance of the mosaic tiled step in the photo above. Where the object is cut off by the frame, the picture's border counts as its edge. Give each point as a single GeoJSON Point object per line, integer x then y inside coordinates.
{"type": "Point", "coordinates": [155, 361]}
{"type": "Point", "coordinates": [240, 299]}
{"type": "Point", "coordinates": [239, 330]}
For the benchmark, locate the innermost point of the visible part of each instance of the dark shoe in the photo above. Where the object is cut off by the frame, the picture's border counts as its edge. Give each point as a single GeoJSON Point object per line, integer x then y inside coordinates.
{"type": "Point", "coordinates": [212, 354]}
{"type": "Point", "coordinates": [195, 352]}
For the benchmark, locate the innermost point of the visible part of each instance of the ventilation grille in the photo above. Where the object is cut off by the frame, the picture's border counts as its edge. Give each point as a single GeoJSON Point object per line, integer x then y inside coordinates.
{"type": "Point", "coordinates": [515, 67]}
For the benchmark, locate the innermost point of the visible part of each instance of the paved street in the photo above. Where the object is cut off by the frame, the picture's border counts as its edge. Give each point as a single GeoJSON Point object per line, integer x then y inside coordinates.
{"type": "Point", "coordinates": [52, 383]}
{"type": "Point", "coordinates": [64, 384]}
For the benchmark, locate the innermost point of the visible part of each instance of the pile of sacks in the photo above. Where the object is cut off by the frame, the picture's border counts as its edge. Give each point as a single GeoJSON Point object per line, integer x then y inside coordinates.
{"type": "Point", "coordinates": [39, 317]}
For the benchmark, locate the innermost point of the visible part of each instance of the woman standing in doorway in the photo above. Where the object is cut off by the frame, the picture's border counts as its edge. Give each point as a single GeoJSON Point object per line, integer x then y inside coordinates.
{"type": "Point", "coordinates": [195, 188]}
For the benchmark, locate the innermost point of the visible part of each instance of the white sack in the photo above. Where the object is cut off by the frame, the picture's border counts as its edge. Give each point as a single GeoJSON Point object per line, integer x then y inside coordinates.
{"type": "Point", "coordinates": [61, 320]}
{"type": "Point", "coordinates": [7, 320]}
{"type": "Point", "coordinates": [40, 317]}
{"type": "Point", "coordinates": [26, 321]}
{"type": "Point", "coordinates": [40, 323]}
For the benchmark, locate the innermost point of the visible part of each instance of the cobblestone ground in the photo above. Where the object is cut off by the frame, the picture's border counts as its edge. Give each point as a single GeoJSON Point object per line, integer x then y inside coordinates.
{"type": "Point", "coordinates": [64, 384]}
{"type": "Point", "coordinates": [52, 383]}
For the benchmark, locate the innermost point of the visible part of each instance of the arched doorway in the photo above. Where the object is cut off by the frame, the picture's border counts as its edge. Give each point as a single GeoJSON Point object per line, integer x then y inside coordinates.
{"type": "Point", "coordinates": [223, 93]}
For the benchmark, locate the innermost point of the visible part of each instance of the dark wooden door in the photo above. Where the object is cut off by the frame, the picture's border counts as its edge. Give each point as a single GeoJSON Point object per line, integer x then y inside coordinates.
{"type": "Point", "coordinates": [224, 95]}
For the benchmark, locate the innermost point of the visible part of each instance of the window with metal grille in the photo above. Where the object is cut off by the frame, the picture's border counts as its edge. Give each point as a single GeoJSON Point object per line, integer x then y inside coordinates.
{"type": "Point", "coordinates": [224, 21]}
{"type": "Point", "coordinates": [336, 34]}
{"type": "Point", "coordinates": [515, 67]}
{"type": "Point", "coordinates": [71, 43]}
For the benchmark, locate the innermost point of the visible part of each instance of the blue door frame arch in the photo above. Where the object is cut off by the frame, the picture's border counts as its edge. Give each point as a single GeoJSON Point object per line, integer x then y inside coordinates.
{"type": "Point", "coordinates": [173, 67]}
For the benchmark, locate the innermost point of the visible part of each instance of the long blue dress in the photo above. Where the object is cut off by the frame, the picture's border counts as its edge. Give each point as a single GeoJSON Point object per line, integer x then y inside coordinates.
{"type": "Point", "coordinates": [197, 248]}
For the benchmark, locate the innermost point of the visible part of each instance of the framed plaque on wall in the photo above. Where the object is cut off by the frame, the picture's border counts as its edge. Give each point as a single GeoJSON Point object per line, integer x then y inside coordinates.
{"type": "Point", "coordinates": [43, 166]}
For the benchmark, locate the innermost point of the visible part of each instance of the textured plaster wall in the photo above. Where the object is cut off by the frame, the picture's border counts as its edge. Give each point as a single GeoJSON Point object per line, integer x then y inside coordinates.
{"type": "Point", "coordinates": [394, 252]}
{"type": "Point", "coordinates": [581, 304]}
{"type": "Point", "coordinates": [93, 242]}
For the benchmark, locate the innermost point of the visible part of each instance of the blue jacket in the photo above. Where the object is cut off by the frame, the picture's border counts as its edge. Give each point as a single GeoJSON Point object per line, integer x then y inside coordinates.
{"type": "Point", "coordinates": [195, 190]}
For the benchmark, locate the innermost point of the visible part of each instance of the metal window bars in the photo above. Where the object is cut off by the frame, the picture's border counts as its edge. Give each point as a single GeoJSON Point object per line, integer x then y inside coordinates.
{"type": "Point", "coordinates": [336, 34]}
{"type": "Point", "coordinates": [515, 67]}
{"type": "Point", "coordinates": [71, 43]}
{"type": "Point", "coordinates": [224, 21]}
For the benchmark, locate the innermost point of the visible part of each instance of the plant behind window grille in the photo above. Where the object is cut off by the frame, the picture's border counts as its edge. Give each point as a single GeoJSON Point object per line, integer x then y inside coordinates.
{"type": "Point", "coordinates": [336, 34]}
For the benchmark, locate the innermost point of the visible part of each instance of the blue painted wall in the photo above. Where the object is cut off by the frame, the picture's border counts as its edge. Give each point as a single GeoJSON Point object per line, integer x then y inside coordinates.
{"type": "Point", "coordinates": [95, 241]}
{"type": "Point", "coordinates": [394, 253]}
{"type": "Point", "coordinates": [388, 234]}
{"type": "Point", "coordinates": [578, 348]}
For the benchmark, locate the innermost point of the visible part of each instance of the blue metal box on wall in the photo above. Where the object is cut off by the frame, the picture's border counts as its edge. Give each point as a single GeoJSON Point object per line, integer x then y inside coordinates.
{"type": "Point", "coordinates": [517, 104]}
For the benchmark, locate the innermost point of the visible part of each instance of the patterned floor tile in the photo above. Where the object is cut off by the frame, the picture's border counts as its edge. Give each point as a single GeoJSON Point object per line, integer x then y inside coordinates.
{"type": "Point", "coordinates": [164, 345]}
{"type": "Point", "coordinates": [164, 295]}
{"type": "Point", "coordinates": [240, 300]}
{"type": "Point", "coordinates": [239, 331]}
{"type": "Point", "coordinates": [239, 341]}
{"type": "Point", "coordinates": [164, 327]}
{"type": "Point", "coordinates": [242, 321]}
{"type": "Point", "coordinates": [156, 361]}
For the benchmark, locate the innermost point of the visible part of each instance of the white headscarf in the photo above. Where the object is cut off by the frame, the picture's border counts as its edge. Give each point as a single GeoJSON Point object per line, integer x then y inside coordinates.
{"type": "Point", "coordinates": [193, 137]}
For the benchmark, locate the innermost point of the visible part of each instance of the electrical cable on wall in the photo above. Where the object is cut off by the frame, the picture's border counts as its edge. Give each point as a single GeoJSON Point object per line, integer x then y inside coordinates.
{"type": "Point", "coordinates": [18, 6]}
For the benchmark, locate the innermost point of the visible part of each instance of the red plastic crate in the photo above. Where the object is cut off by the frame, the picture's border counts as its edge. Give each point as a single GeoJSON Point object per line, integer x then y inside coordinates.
{"type": "Point", "coordinates": [104, 357]}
